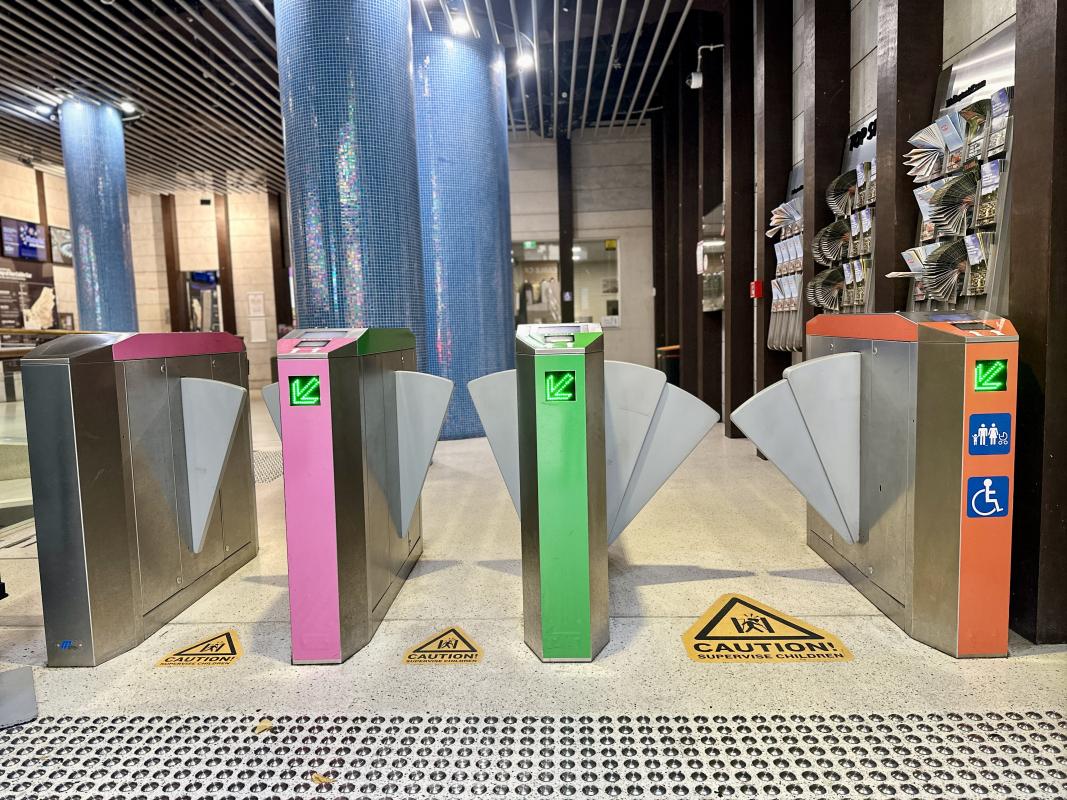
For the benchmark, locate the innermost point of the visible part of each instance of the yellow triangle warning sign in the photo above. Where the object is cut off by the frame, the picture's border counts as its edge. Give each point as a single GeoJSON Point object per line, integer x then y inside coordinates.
{"type": "Point", "coordinates": [738, 629]}
{"type": "Point", "coordinates": [218, 651]}
{"type": "Point", "coordinates": [450, 646]}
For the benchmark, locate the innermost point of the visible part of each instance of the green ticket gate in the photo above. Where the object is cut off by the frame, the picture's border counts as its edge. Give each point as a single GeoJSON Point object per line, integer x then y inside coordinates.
{"type": "Point", "coordinates": [563, 504]}
{"type": "Point", "coordinates": [582, 444]}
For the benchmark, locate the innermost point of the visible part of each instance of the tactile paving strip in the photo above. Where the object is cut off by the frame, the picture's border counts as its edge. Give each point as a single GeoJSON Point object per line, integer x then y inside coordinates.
{"type": "Point", "coordinates": [267, 465]}
{"type": "Point", "coordinates": [1017, 755]}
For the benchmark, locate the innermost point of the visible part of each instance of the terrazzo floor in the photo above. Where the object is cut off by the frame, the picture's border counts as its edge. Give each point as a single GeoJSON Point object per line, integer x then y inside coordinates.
{"type": "Point", "coordinates": [726, 522]}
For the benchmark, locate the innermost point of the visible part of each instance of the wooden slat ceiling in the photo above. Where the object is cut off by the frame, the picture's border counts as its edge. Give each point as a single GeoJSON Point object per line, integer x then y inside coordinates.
{"type": "Point", "coordinates": [203, 75]}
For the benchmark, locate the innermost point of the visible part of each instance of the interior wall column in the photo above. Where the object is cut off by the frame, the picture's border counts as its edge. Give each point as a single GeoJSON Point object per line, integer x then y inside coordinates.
{"type": "Point", "coordinates": [176, 287]}
{"type": "Point", "coordinates": [825, 81]}
{"type": "Point", "coordinates": [670, 205]}
{"type": "Point", "coordinates": [711, 196]}
{"type": "Point", "coordinates": [348, 109]}
{"type": "Point", "coordinates": [772, 122]}
{"type": "Point", "coordinates": [565, 193]}
{"type": "Point", "coordinates": [658, 226]}
{"type": "Point", "coordinates": [279, 258]}
{"type": "Point", "coordinates": [94, 157]}
{"type": "Point", "coordinates": [222, 232]}
{"type": "Point", "coordinates": [1038, 297]}
{"type": "Point", "coordinates": [909, 62]}
{"type": "Point", "coordinates": [740, 224]}
{"type": "Point", "coordinates": [689, 212]}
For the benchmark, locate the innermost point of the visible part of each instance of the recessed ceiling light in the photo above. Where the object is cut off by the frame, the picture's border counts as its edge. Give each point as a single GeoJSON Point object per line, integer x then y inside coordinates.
{"type": "Point", "coordinates": [127, 107]}
{"type": "Point", "coordinates": [43, 110]}
{"type": "Point", "coordinates": [524, 61]}
{"type": "Point", "coordinates": [460, 25]}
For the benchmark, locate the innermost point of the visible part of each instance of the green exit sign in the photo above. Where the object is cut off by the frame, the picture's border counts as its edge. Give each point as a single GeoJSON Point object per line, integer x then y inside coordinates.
{"type": "Point", "coordinates": [305, 390]}
{"type": "Point", "coordinates": [559, 386]}
{"type": "Point", "coordinates": [991, 375]}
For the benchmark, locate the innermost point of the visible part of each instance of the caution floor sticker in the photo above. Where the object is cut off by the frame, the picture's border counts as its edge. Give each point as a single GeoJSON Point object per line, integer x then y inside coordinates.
{"type": "Point", "coordinates": [218, 651]}
{"type": "Point", "coordinates": [451, 646]}
{"type": "Point", "coordinates": [737, 629]}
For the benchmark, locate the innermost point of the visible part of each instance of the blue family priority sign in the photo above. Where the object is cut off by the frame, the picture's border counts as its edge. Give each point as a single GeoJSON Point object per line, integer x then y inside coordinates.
{"type": "Point", "coordinates": [989, 434]}
{"type": "Point", "coordinates": [987, 496]}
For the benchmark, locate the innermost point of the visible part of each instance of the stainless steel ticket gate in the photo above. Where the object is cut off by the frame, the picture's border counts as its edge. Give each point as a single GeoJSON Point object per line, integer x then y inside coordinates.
{"type": "Point", "coordinates": [901, 435]}
{"type": "Point", "coordinates": [358, 428]}
{"type": "Point", "coordinates": [582, 444]}
{"type": "Point", "coordinates": [141, 464]}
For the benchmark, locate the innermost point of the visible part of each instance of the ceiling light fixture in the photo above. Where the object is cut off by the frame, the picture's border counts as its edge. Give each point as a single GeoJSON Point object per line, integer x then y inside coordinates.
{"type": "Point", "coordinates": [127, 107]}
{"type": "Point", "coordinates": [524, 61]}
{"type": "Point", "coordinates": [43, 110]}
{"type": "Point", "coordinates": [460, 25]}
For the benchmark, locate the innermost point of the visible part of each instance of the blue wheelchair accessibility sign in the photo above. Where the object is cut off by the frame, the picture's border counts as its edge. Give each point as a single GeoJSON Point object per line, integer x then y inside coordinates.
{"type": "Point", "coordinates": [989, 434]}
{"type": "Point", "coordinates": [987, 496]}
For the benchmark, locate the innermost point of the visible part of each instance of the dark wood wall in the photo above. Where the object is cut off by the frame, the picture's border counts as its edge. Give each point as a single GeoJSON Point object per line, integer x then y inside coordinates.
{"type": "Point", "coordinates": [687, 147]}
{"type": "Point", "coordinates": [772, 116]}
{"type": "Point", "coordinates": [1038, 308]}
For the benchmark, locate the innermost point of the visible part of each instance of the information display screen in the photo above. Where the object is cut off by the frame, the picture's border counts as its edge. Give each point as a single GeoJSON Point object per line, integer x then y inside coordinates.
{"type": "Point", "coordinates": [991, 375]}
{"type": "Point", "coordinates": [23, 240]}
{"type": "Point", "coordinates": [312, 343]}
{"type": "Point", "coordinates": [305, 390]}
{"type": "Point", "coordinates": [559, 386]}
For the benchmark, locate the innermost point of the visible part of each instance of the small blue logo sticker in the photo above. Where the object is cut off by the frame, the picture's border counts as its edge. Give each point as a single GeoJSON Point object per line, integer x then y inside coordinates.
{"type": "Point", "coordinates": [989, 435]}
{"type": "Point", "coordinates": [987, 496]}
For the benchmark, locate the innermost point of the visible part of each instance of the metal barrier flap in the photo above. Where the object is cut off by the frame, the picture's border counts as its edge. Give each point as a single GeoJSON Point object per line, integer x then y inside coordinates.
{"type": "Point", "coordinates": [210, 412]}
{"type": "Point", "coordinates": [273, 401]}
{"type": "Point", "coordinates": [421, 403]}
{"type": "Point", "coordinates": [496, 399]}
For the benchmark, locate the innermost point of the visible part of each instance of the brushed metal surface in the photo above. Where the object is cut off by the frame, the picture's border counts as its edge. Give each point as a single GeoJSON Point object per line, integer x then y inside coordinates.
{"type": "Point", "coordinates": [193, 564]}
{"type": "Point", "coordinates": [376, 478]}
{"type": "Point", "coordinates": [350, 502]}
{"type": "Point", "coordinates": [107, 514]}
{"type": "Point", "coordinates": [596, 478]}
{"type": "Point", "coordinates": [939, 465]}
{"type": "Point", "coordinates": [887, 436]}
{"type": "Point", "coordinates": [110, 531]}
{"type": "Point", "coordinates": [53, 459]}
{"type": "Point", "coordinates": [373, 559]}
{"type": "Point", "coordinates": [148, 419]}
{"type": "Point", "coordinates": [528, 498]}
{"type": "Point", "coordinates": [190, 593]}
{"type": "Point", "coordinates": [237, 492]}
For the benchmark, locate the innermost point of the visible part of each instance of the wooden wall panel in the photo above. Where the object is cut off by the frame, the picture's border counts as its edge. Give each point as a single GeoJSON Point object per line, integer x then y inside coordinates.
{"type": "Point", "coordinates": [1038, 299]}
{"type": "Point", "coordinates": [773, 135]}
{"type": "Point", "coordinates": [738, 167]}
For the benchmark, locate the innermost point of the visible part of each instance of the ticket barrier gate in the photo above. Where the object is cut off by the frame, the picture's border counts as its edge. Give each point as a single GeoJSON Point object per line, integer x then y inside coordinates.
{"type": "Point", "coordinates": [582, 445]}
{"type": "Point", "coordinates": [358, 427]}
{"type": "Point", "coordinates": [141, 465]}
{"type": "Point", "coordinates": [900, 434]}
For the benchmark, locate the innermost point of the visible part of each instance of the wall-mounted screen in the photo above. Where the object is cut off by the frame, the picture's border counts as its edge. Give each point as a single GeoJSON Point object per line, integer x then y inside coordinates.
{"type": "Point", "coordinates": [62, 245]}
{"type": "Point", "coordinates": [23, 240]}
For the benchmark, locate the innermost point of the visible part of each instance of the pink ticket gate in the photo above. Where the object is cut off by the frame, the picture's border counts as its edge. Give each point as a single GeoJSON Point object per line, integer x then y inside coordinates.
{"type": "Point", "coordinates": [358, 426]}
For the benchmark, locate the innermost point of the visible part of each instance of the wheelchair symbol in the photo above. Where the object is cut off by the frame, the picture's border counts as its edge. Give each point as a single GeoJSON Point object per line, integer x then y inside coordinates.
{"type": "Point", "coordinates": [988, 497]}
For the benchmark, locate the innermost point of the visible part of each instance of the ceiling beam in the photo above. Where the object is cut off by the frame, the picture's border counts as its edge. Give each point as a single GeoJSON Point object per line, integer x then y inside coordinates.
{"type": "Point", "coordinates": [611, 63]}
{"type": "Point", "coordinates": [592, 62]}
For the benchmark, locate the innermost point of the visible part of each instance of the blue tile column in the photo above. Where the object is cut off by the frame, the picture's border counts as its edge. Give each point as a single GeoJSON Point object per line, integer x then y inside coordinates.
{"type": "Point", "coordinates": [94, 158]}
{"type": "Point", "coordinates": [461, 110]}
{"type": "Point", "coordinates": [349, 119]}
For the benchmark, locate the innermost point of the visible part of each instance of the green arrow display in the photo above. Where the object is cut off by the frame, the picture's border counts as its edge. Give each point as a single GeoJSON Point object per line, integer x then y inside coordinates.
{"type": "Point", "coordinates": [991, 376]}
{"type": "Point", "coordinates": [559, 386]}
{"type": "Point", "coordinates": [304, 390]}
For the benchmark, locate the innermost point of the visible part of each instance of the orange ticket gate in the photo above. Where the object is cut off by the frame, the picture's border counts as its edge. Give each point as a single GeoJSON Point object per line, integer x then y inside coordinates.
{"type": "Point", "coordinates": [900, 433]}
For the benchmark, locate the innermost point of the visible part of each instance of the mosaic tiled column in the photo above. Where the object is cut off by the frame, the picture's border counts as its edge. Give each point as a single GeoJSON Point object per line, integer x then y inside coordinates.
{"type": "Point", "coordinates": [461, 108]}
{"type": "Point", "coordinates": [349, 120]}
{"type": "Point", "coordinates": [94, 158]}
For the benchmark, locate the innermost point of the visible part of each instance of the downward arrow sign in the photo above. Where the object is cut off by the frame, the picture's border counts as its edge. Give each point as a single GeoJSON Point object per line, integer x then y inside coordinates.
{"type": "Point", "coordinates": [558, 386]}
